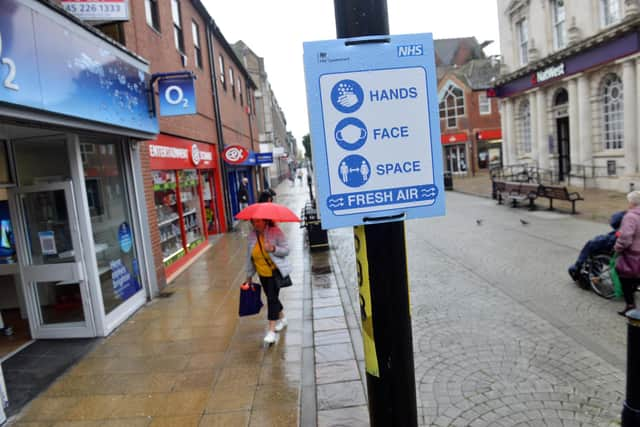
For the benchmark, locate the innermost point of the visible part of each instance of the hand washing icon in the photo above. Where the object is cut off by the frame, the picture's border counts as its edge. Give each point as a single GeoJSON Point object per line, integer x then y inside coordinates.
{"type": "Point", "coordinates": [350, 133]}
{"type": "Point", "coordinates": [347, 96]}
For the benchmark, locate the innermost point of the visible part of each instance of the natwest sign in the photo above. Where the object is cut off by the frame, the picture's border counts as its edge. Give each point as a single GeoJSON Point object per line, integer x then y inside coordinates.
{"type": "Point", "coordinates": [548, 73]}
{"type": "Point", "coordinates": [168, 152]}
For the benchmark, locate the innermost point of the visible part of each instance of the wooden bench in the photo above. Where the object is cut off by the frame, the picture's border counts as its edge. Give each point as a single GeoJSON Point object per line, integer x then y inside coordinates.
{"type": "Point", "coordinates": [516, 192]}
{"type": "Point", "coordinates": [556, 192]}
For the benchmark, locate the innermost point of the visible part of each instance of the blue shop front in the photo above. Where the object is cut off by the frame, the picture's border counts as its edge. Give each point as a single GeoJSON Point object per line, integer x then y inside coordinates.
{"type": "Point", "coordinates": [239, 164]}
{"type": "Point", "coordinates": [75, 256]}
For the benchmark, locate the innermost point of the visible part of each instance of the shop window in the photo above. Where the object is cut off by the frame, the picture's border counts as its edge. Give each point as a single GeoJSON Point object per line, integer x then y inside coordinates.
{"type": "Point", "coordinates": [113, 30]}
{"type": "Point", "coordinates": [610, 12]}
{"type": "Point", "coordinates": [612, 112]}
{"type": "Point", "coordinates": [222, 71]}
{"type": "Point", "coordinates": [86, 150]}
{"type": "Point", "coordinates": [484, 103]}
{"type": "Point", "coordinates": [522, 34]}
{"type": "Point", "coordinates": [151, 13]}
{"type": "Point", "coordinates": [559, 31]}
{"type": "Point", "coordinates": [5, 174]}
{"type": "Point", "coordinates": [177, 25]}
{"type": "Point", "coordinates": [32, 170]}
{"type": "Point", "coordinates": [110, 211]}
{"type": "Point", "coordinates": [524, 127]}
{"type": "Point", "coordinates": [451, 105]}
{"type": "Point", "coordinates": [178, 208]}
{"type": "Point", "coordinates": [197, 51]}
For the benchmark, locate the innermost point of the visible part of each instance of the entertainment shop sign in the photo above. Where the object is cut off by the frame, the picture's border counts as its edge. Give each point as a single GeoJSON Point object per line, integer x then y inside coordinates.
{"type": "Point", "coordinates": [375, 129]}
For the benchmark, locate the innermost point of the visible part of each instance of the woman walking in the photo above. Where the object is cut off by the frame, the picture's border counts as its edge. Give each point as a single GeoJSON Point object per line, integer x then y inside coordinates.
{"type": "Point", "coordinates": [267, 251]}
{"type": "Point", "coordinates": [628, 248]}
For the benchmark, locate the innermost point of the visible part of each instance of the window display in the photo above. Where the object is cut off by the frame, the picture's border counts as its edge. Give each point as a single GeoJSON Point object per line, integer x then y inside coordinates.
{"type": "Point", "coordinates": [186, 196]}
{"type": "Point", "coordinates": [208, 195]}
{"type": "Point", "coordinates": [191, 208]}
{"type": "Point", "coordinates": [110, 212]}
{"type": "Point", "coordinates": [165, 194]}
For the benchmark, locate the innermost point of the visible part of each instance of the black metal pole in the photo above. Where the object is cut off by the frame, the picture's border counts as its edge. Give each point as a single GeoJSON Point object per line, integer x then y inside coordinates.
{"type": "Point", "coordinates": [631, 406]}
{"type": "Point", "coordinates": [382, 274]}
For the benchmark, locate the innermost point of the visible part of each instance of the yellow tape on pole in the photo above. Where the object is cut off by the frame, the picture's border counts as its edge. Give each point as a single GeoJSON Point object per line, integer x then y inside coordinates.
{"type": "Point", "coordinates": [362, 264]}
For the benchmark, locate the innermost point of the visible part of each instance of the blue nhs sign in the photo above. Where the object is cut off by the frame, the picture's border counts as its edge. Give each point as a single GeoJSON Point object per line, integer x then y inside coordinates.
{"type": "Point", "coordinates": [410, 50]}
{"type": "Point", "coordinates": [373, 110]}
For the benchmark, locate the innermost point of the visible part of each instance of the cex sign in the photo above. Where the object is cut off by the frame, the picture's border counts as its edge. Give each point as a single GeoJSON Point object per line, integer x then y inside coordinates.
{"type": "Point", "coordinates": [235, 154]}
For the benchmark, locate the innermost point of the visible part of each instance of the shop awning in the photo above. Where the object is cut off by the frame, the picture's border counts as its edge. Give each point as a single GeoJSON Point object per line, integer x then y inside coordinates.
{"type": "Point", "coordinates": [454, 138]}
{"type": "Point", "coordinates": [489, 134]}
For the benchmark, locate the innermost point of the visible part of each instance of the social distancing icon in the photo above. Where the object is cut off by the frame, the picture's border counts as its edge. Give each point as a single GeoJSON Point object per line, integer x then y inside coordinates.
{"type": "Point", "coordinates": [354, 170]}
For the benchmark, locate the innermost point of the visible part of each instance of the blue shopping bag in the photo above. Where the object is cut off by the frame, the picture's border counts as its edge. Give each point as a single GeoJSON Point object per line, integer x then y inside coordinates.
{"type": "Point", "coordinates": [250, 299]}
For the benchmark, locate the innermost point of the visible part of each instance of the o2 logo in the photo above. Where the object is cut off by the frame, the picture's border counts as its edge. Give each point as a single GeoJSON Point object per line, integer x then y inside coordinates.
{"type": "Point", "coordinates": [9, 79]}
{"type": "Point", "coordinates": [174, 96]}
{"type": "Point", "coordinates": [177, 97]}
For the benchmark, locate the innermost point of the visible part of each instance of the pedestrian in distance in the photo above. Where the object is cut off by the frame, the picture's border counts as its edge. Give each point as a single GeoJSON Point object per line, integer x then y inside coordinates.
{"type": "Point", "coordinates": [267, 250]}
{"type": "Point", "coordinates": [300, 174]}
{"type": "Point", "coordinates": [243, 193]}
{"type": "Point", "coordinates": [266, 196]}
{"type": "Point", "coordinates": [627, 247]}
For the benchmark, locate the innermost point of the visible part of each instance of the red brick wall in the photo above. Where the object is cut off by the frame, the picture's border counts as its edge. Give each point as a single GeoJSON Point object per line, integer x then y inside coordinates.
{"type": "Point", "coordinates": [160, 50]}
{"type": "Point", "coordinates": [473, 121]}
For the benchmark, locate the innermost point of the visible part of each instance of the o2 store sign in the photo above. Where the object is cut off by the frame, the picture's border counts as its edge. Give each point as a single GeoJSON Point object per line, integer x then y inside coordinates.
{"type": "Point", "coordinates": [11, 71]}
{"type": "Point", "coordinates": [177, 97]}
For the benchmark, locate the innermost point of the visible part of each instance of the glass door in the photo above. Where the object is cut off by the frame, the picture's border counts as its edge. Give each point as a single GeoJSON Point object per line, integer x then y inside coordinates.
{"type": "Point", "coordinates": [52, 266]}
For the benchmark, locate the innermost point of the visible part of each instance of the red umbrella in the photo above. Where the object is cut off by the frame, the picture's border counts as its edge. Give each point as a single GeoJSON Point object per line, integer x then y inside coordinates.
{"type": "Point", "coordinates": [272, 211]}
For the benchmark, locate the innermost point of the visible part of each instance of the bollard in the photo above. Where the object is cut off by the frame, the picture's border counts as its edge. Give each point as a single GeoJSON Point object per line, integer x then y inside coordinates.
{"type": "Point", "coordinates": [631, 406]}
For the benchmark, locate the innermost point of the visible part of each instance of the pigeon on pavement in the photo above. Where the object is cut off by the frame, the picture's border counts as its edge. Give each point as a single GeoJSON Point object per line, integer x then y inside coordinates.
{"type": "Point", "coordinates": [523, 222]}
{"type": "Point", "coordinates": [479, 221]}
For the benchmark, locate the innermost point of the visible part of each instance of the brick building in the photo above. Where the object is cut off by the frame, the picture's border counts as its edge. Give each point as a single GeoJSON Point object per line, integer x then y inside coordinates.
{"type": "Point", "coordinates": [189, 200]}
{"type": "Point", "coordinates": [469, 119]}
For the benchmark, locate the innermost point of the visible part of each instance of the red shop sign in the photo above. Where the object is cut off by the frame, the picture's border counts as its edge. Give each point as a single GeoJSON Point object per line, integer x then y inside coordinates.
{"type": "Point", "coordinates": [235, 154]}
{"type": "Point", "coordinates": [168, 152]}
{"type": "Point", "coordinates": [453, 138]}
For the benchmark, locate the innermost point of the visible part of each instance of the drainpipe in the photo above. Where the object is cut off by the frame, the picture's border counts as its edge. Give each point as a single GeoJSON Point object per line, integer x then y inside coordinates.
{"type": "Point", "coordinates": [216, 108]}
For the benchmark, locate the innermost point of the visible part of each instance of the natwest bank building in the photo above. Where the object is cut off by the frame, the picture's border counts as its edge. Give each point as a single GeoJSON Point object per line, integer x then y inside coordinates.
{"type": "Point", "coordinates": [187, 200]}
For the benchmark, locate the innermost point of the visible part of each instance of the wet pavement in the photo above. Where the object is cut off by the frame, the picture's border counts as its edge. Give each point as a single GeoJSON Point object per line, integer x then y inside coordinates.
{"type": "Point", "coordinates": [501, 335]}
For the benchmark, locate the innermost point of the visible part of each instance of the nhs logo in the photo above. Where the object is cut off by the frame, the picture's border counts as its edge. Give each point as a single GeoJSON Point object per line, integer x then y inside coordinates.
{"type": "Point", "coordinates": [410, 50]}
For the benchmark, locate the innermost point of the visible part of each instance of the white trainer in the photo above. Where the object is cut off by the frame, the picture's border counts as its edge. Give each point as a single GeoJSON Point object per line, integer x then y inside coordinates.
{"type": "Point", "coordinates": [281, 324]}
{"type": "Point", "coordinates": [270, 338]}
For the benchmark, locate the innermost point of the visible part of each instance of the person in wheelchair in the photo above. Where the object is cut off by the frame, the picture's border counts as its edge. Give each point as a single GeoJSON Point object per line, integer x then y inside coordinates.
{"type": "Point", "coordinates": [600, 244]}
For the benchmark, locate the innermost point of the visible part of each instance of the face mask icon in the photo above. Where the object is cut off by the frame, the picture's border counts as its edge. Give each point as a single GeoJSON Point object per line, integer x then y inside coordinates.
{"type": "Point", "coordinates": [350, 133]}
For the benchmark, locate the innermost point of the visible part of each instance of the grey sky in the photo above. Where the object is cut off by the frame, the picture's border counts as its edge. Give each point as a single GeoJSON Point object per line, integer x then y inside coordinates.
{"type": "Point", "coordinates": [276, 29]}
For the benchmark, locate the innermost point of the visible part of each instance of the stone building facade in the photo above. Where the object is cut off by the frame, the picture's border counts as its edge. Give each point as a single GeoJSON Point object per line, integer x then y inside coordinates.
{"type": "Point", "coordinates": [569, 89]}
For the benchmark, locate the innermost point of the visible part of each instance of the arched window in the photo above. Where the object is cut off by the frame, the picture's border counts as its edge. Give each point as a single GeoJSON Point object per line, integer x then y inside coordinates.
{"type": "Point", "coordinates": [451, 105]}
{"type": "Point", "coordinates": [561, 97]}
{"type": "Point", "coordinates": [612, 112]}
{"type": "Point", "coordinates": [524, 127]}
